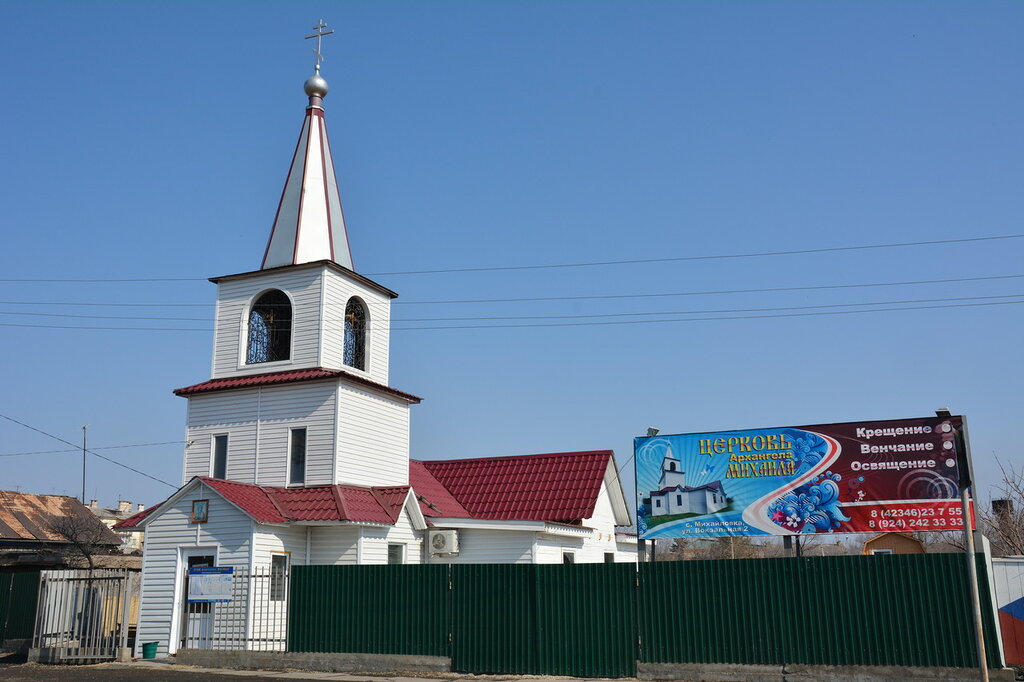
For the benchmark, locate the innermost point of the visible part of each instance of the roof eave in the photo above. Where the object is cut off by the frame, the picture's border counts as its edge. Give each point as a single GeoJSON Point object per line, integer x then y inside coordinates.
{"type": "Point", "coordinates": [340, 269]}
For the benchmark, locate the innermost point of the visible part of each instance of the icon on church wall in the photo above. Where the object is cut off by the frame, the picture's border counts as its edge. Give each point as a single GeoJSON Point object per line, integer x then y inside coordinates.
{"type": "Point", "coordinates": [200, 511]}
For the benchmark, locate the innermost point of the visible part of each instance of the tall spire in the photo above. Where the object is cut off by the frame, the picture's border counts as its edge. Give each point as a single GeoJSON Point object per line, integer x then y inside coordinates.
{"type": "Point", "coordinates": [309, 225]}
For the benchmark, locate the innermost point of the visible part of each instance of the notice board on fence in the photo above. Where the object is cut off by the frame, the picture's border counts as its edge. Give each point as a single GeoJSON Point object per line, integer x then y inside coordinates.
{"type": "Point", "coordinates": [210, 584]}
{"type": "Point", "coordinates": [857, 477]}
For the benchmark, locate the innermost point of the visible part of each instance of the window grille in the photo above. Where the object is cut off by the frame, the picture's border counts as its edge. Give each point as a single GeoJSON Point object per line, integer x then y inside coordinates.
{"type": "Point", "coordinates": [270, 328]}
{"type": "Point", "coordinates": [355, 334]}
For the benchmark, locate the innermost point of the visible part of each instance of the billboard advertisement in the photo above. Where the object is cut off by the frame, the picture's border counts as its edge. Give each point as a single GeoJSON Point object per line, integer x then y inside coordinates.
{"type": "Point", "coordinates": [857, 477]}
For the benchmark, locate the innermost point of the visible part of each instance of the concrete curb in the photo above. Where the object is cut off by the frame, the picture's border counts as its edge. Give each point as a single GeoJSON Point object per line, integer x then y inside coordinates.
{"type": "Point", "coordinates": [320, 662]}
{"type": "Point", "coordinates": [725, 672]}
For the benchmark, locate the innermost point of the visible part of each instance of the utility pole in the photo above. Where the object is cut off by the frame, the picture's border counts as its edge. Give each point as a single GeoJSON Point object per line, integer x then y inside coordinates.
{"type": "Point", "coordinates": [85, 429]}
{"type": "Point", "coordinates": [962, 452]}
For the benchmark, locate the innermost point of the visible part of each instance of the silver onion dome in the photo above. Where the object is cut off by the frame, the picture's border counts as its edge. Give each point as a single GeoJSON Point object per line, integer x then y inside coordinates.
{"type": "Point", "coordinates": [316, 86]}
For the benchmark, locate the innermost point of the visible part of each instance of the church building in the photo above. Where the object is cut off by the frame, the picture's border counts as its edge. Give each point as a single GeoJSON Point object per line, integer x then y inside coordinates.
{"type": "Point", "coordinates": [298, 445]}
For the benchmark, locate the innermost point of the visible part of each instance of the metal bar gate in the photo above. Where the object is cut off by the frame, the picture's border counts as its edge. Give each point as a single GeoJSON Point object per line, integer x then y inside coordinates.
{"type": "Point", "coordinates": [85, 616]}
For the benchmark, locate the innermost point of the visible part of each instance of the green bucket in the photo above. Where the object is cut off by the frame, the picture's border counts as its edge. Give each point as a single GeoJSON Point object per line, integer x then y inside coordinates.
{"type": "Point", "coordinates": [149, 649]}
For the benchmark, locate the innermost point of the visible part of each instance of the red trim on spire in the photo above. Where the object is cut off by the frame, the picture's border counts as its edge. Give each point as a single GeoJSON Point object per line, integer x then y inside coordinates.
{"type": "Point", "coordinates": [277, 214]}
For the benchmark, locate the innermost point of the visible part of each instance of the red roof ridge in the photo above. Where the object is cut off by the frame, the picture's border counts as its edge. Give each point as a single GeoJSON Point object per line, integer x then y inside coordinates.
{"type": "Point", "coordinates": [393, 513]}
{"type": "Point", "coordinates": [515, 457]}
{"type": "Point", "coordinates": [273, 500]}
{"type": "Point", "coordinates": [339, 500]}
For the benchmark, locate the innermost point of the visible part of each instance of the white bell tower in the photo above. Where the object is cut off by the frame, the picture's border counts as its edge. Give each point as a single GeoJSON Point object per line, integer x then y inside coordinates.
{"type": "Point", "coordinates": [299, 390]}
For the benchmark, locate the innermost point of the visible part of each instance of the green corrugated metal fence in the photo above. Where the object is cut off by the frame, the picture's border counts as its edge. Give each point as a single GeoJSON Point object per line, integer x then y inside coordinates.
{"type": "Point", "coordinates": [902, 610]}
{"type": "Point", "coordinates": [369, 609]}
{"type": "Point", "coordinates": [584, 620]}
{"type": "Point", "coordinates": [19, 590]}
{"type": "Point", "coordinates": [545, 620]}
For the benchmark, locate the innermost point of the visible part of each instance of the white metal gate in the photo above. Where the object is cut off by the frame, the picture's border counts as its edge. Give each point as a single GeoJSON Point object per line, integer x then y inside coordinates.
{"type": "Point", "coordinates": [85, 616]}
{"type": "Point", "coordinates": [256, 618]}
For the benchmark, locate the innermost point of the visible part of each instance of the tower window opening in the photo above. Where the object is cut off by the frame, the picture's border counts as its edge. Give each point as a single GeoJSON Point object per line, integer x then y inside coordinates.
{"type": "Point", "coordinates": [355, 334]}
{"type": "Point", "coordinates": [270, 328]}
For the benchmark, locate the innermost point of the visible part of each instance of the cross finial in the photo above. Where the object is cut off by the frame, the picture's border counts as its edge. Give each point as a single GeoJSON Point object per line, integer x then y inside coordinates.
{"type": "Point", "coordinates": [319, 34]}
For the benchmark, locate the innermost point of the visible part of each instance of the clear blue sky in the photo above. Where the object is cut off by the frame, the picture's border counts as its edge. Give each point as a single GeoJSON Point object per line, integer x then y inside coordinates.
{"type": "Point", "coordinates": [152, 140]}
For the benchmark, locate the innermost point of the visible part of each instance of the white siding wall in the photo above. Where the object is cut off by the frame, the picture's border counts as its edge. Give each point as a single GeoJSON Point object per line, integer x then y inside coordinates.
{"type": "Point", "coordinates": [268, 540]}
{"type": "Point", "coordinates": [477, 546]}
{"type": "Point", "coordinates": [233, 300]}
{"type": "Point", "coordinates": [266, 413]}
{"type": "Point", "coordinates": [373, 438]}
{"type": "Point", "coordinates": [233, 413]}
{"type": "Point", "coordinates": [228, 529]}
{"type": "Point", "coordinates": [589, 549]}
{"type": "Point", "coordinates": [338, 289]}
{"type": "Point", "coordinates": [376, 541]}
{"type": "Point", "coordinates": [283, 408]}
{"type": "Point", "coordinates": [334, 545]}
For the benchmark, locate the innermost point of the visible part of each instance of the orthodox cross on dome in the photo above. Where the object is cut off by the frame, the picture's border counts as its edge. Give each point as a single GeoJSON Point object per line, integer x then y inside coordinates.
{"type": "Point", "coordinates": [319, 34]}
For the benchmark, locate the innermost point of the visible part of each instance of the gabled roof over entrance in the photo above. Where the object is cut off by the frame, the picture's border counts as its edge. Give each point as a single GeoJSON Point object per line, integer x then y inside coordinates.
{"type": "Point", "coordinates": [313, 504]}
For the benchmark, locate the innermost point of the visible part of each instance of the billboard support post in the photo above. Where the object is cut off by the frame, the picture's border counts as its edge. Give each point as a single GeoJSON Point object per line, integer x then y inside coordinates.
{"type": "Point", "coordinates": [966, 483]}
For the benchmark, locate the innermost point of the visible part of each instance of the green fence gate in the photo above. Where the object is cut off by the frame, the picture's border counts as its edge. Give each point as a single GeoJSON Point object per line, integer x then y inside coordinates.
{"type": "Point", "coordinates": [19, 591]}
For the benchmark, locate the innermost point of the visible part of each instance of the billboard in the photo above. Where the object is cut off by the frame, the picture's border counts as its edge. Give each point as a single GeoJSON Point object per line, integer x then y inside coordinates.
{"type": "Point", "coordinates": [857, 477]}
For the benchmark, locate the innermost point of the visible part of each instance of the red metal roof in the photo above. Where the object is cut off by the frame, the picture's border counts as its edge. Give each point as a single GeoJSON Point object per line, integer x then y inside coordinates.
{"type": "Point", "coordinates": [290, 377]}
{"type": "Point", "coordinates": [557, 487]}
{"type": "Point", "coordinates": [434, 498]}
{"type": "Point", "coordinates": [315, 503]}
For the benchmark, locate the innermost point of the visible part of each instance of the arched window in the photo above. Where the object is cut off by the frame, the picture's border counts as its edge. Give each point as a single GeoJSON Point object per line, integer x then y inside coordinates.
{"type": "Point", "coordinates": [270, 328]}
{"type": "Point", "coordinates": [355, 334]}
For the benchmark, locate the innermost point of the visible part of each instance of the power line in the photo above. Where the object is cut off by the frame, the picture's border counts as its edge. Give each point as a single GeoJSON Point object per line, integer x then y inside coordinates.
{"type": "Point", "coordinates": [572, 324]}
{"type": "Point", "coordinates": [91, 452]}
{"type": "Point", "coordinates": [566, 317]}
{"type": "Point", "coordinates": [533, 299]}
{"type": "Point", "coordinates": [108, 317]}
{"type": "Point", "coordinates": [676, 259]}
{"type": "Point", "coordinates": [672, 259]}
{"type": "Point", "coordinates": [702, 311]}
{"type": "Point", "coordinates": [711, 293]}
{"type": "Point", "coordinates": [79, 449]}
{"type": "Point", "coordinates": [704, 319]}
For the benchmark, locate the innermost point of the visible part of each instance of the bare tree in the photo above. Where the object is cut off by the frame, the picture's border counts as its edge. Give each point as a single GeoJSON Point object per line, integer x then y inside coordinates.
{"type": "Point", "coordinates": [85, 537]}
{"type": "Point", "coordinates": [1003, 521]}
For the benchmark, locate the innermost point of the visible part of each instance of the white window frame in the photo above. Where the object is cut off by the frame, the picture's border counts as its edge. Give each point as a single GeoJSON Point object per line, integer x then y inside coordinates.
{"type": "Point", "coordinates": [404, 552]}
{"type": "Point", "coordinates": [305, 459]}
{"type": "Point", "coordinates": [287, 567]}
{"type": "Point", "coordinates": [213, 453]}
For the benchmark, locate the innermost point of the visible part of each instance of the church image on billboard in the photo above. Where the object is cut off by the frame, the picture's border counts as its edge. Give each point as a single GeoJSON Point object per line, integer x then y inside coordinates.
{"type": "Point", "coordinates": [675, 497]}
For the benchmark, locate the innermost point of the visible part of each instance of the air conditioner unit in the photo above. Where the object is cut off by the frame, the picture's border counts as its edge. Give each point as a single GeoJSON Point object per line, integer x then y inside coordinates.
{"type": "Point", "coordinates": [444, 542]}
